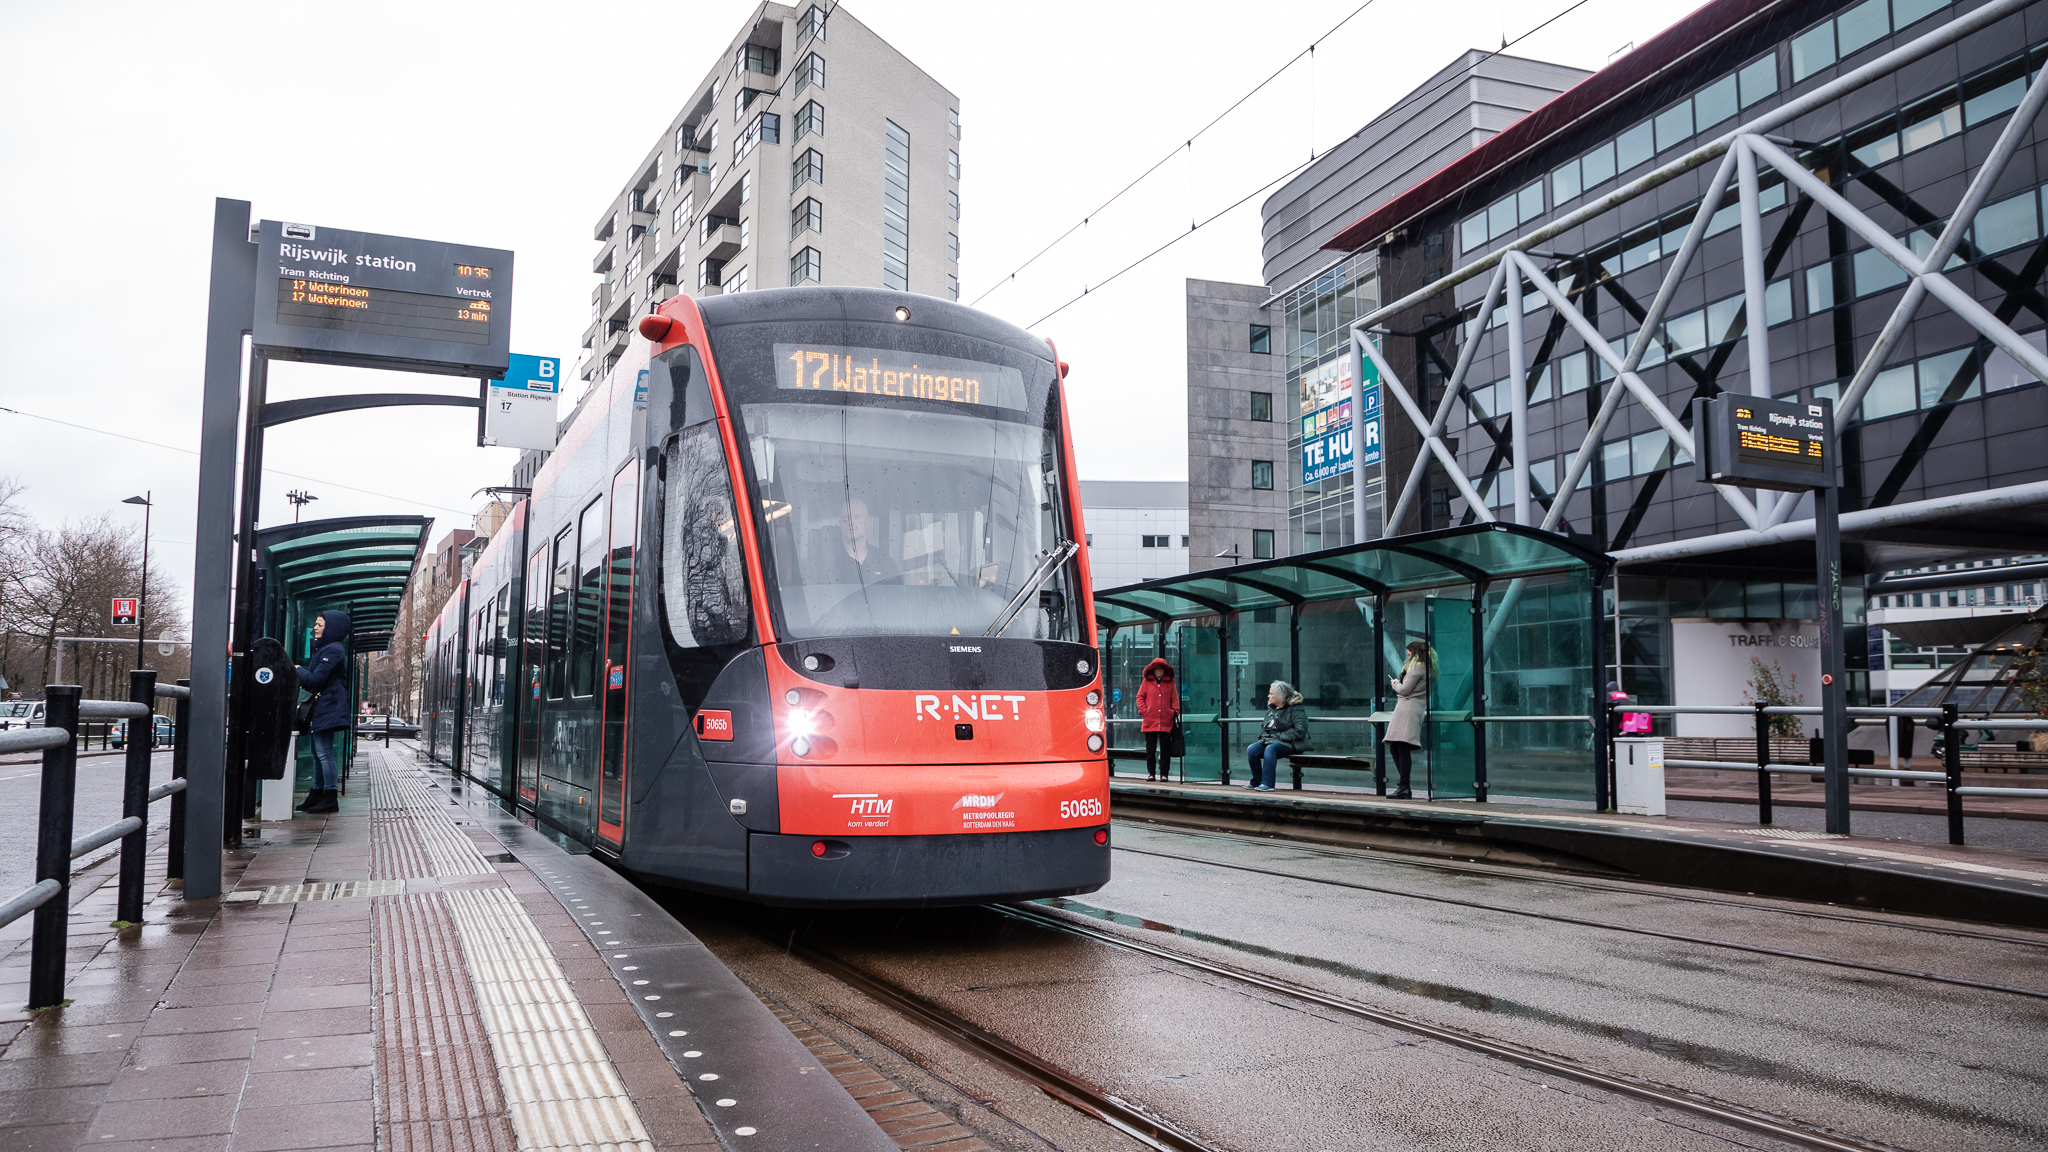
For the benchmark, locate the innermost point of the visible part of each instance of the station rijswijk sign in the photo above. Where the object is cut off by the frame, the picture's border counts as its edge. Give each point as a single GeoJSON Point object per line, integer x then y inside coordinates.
{"type": "Point", "coordinates": [1328, 427]}
{"type": "Point", "coordinates": [519, 412]}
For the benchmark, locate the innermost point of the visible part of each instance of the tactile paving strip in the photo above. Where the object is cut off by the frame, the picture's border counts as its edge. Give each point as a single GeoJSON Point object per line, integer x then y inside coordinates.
{"type": "Point", "coordinates": [338, 890]}
{"type": "Point", "coordinates": [1789, 834]}
{"type": "Point", "coordinates": [438, 1087]}
{"type": "Point", "coordinates": [562, 1088]}
{"type": "Point", "coordinates": [410, 835]}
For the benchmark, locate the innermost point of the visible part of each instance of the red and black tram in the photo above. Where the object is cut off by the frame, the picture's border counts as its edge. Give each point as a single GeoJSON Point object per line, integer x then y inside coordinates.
{"type": "Point", "coordinates": [799, 614]}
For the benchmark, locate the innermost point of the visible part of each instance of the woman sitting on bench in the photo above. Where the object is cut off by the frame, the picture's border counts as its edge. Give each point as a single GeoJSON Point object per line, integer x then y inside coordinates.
{"type": "Point", "coordinates": [1284, 733]}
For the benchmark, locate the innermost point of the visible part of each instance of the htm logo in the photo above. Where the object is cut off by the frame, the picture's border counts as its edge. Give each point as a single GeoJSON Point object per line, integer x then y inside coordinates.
{"type": "Point", "coordinates": [872, 806]}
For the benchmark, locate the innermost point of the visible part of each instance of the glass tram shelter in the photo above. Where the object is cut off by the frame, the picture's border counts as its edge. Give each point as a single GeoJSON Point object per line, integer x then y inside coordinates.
{"type": "Point", "coordinates": [357, 564]}
{"type": "Point", "coordinates": [1518, 606]}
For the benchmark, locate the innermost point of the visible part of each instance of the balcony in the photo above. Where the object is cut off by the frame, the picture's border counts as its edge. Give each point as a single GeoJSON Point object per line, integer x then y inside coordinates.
{"type": "Point", "coordinates": [718, 238]}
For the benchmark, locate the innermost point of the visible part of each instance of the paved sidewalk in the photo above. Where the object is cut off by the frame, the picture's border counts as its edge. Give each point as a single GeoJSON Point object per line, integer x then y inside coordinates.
{"type": "Point", "coordinates": [387, 977]}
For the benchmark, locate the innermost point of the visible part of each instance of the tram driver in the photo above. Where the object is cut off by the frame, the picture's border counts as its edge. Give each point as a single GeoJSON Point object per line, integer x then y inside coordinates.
{"type": "Point", "coordinates": [856, 561]}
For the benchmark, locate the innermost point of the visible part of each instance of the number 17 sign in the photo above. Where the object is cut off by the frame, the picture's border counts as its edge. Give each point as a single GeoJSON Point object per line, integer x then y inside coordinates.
{"type": "Point", "coordinates": [125, 609]}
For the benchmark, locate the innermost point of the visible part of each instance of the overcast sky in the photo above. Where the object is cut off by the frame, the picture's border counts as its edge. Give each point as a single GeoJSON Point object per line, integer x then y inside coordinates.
{"type": "Point", "coordinates": [512, 125]}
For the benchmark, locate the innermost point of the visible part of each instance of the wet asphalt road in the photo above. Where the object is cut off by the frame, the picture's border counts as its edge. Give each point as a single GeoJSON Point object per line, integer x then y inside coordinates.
{"type": "Point", "coordinates": [98, 804]}
{"type": "Point", "coordinates": [1880, 1058]}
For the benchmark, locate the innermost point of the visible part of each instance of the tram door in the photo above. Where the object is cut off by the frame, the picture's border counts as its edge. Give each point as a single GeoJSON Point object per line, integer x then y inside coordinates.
{"type": "Point", "coordinates": [1451, 772]}
{"type": "Point", "coordinates": [533, 645]}
{"type": "Point", "coordinates": [618, 603]}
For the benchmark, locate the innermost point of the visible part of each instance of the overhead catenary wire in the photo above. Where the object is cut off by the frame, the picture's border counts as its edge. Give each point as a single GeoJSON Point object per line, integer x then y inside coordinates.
{"type": "Point", "coordinates": [1460, 77]}
{"type": "Point", "coordinates": [195, 452]}
{"type": "Point", "coordinates": [1176, 150]}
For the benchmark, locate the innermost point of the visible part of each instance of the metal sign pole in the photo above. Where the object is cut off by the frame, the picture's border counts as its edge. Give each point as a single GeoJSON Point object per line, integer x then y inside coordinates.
{"type": "Point", "coordinates": [1834, 716]}
{"type": "Point", "coordinates": [230, 303]}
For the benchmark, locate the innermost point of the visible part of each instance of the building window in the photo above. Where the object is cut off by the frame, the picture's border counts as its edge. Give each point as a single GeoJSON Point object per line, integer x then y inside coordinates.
{"type": "Point", "coordinates": [808, 215]}
{"type": "Point", "coordinates": [809, 70]}
{"type": "Point", "coordinates": [1262, 474]}
{"type": "Point", "coordinates": [953, 163]}
{"type": "Point", "coordinates": [807, 265]}
{"type": "Point", "coordinates": [952, 287]}
{"type": "Point", "coordinates": [1183, 541]}
{"type": "Point", "coordinates": [680, 218]}
{"type": "Point", "coordinates": [809, 166]}
{"type": "Point", "coordinates": [1262, 339]}
{"type": "Point", "coordinates": [684, 139]}
{"type": "Point", "coordinates": [746, 231]}
{"type": "Point", "coordinates": [953, 204]}
{"type": "Point", "coordinates": [1262, 406]}
{"type": "Point", "coordinates": [633, 267]}
{"type": "Point", "coordinates": [763, 129]}
{"type": "Point", "coordinates": [1507, 214]}
{"type": "Point", "coordinates": [953, 123]}
{"type": "Point", "coordinates": [1262, 543]}
{"type": "Point", "coordinates": [1147, 541]}
{"type": "Point", "coordinates": [810, 118]}
{"type": "Point", "coordinates": [895, 207]}
{"type": "Point", "coordinates": [810, 26]}
{"type": "Point", "coordinates": [761, 58]}
{"type": "Point", "coordinates": [737, 281]}
{"type": "Point", "coordinates": [953, 247]}
{"type": "Point", "coordinates": [708, 272]}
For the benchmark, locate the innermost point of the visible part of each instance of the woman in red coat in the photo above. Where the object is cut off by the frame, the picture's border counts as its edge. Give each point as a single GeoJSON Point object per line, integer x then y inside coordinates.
{"type": "Point", "coordinates": [1158, 708]}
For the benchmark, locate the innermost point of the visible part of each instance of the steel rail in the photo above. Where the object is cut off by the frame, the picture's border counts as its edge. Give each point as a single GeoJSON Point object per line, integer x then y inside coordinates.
{"type": "Point", "coordinates": [1555, 918]}
{"type": "Point", "coordinates": [1125, 1117]}
{"type": "Point", "coordinates": [1733, 1115]}
{"type": "Point", "coordinates": [1642, 888]}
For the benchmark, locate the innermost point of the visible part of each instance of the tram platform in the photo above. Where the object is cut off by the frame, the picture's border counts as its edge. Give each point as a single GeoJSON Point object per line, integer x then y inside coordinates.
{"type": "Point", "coordinates": [406, 974]}
{"type": "Point", "coordinates": [1993, 885]}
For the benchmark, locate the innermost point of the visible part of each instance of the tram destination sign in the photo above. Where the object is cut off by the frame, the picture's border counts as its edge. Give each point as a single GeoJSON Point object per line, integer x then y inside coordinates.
{"type": "Point", "coordinates": [342, 297]}
{"type": "Point", "coordinates": [1785, 445]}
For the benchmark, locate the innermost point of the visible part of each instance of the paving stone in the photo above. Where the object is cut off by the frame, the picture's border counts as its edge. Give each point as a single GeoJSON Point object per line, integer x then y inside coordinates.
{"type": "Point", "coordinates": [47, 1106]}
{"type": "Point", "coordinates": [315, 1022]}
{"type": "Point", "coordinates": [217, 1018]}
{"type": "Point", "coordinates": [331, 1125]}
{"type": "Point", "coordinates": [307, 1086]}
{"type": "Point", "coordinates": [193, 1049]}
{"type": "Point", "coordinates": [167, 1081]}
{"type": "Point", "coordinates": [178, 1116]}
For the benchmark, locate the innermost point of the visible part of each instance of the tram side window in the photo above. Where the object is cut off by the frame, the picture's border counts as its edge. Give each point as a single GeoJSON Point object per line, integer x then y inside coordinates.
{"type": "Point", "coordinates": [560, 594]}
{"type": "Point", "coordinates": [703, 581]}
{"type": "Point", "coordinates": [624, 537]}
{"type": "Point", "coordinates": [501, 625]}
{"type": "Point", "coordinates": [536, 631]}
{"type": "Point", "coordinates": [588, 652]}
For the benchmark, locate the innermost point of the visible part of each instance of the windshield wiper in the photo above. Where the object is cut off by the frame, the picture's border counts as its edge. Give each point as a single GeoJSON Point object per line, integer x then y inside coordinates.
{"type": "Point", "coordinates": [1047, 565]}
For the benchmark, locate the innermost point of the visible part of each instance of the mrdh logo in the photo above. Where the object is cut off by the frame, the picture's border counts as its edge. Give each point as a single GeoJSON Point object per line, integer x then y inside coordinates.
{"type": "Point", "coordinates": [973, 801]}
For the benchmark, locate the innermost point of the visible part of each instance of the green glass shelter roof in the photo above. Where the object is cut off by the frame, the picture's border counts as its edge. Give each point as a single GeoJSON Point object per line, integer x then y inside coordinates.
{"type": "Point", "coordinates": [1474, 553]}
{"type": "Point", "coordinates": [358, 564]}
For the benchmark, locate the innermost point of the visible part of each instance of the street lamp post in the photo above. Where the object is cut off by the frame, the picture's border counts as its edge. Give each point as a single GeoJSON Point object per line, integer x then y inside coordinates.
{"type": "Point", "coordinates": [142, 615]}
{"type": "Point", "coordinates": [300, 498]}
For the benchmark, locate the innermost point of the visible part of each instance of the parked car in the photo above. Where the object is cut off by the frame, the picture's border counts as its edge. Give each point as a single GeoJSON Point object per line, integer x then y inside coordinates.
{"type": "Point", "coordinates": [20, 714]}
{"type": "Point", "coordinates": [163, 733]}
{"type": "Point", "coordinates": [374, 727]}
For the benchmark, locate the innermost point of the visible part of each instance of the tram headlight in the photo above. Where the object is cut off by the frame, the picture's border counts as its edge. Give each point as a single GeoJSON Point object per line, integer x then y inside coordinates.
{"type": "Point", "coordinates": [800, 746]}
{"type": "Point", "coordinates": [801, 722]}
{"type": "Point", "coordinates": [1094, 743]}
{"type": "Point", "coordinates": [1093, 719]}
{"type": "Point", "coordinates": [1094, 697]}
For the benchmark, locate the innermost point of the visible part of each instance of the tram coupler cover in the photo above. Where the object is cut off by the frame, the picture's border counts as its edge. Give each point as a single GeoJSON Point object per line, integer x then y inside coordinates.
{"type": "Point", "coordinates": [273, 705]}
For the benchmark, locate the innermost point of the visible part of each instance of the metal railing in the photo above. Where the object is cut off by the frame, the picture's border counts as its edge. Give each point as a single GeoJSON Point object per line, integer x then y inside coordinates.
{"type": "Point", "coordinates": [1946, 719]}
{"type": "Point", "coordinates": [1294, 764]}
{"type": "Point", "coordinates": [49, 897]}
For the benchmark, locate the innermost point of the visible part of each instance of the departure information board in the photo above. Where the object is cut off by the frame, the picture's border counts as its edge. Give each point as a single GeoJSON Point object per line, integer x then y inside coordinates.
{"type": "Point", "coordinates": [359, 298]}
{"type": "Point", "coordinates": [1781, 444]}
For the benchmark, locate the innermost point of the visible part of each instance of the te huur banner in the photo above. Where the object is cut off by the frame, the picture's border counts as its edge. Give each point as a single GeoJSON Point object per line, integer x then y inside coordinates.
{"type": "Point", "coordinates": [1327, 433]}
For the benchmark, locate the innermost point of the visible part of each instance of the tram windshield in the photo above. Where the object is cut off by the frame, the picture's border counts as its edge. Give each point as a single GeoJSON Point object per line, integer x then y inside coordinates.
{"type": "Point", "coordinates": [885, 520]}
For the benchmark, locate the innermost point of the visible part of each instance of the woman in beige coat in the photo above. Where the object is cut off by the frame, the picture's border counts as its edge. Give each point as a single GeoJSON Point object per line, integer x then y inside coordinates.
{"type": "Point", "coordinates": [1411, 704]}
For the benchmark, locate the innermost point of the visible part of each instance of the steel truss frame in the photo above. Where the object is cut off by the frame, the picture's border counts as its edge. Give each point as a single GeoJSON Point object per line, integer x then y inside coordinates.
{"type": "Point", "coordinates": [1741, 152]}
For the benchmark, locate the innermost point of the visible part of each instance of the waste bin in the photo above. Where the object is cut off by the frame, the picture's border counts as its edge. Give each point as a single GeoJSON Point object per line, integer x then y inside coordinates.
{"type": "Point", "coordinates": [1639, 775]}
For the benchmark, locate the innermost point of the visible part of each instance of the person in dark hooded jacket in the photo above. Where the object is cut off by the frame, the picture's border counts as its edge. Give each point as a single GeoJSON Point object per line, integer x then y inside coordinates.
{"type": "Point", "coordinates": [327, 679]}
{"type": "Point", "coordinates": [1158, 710]}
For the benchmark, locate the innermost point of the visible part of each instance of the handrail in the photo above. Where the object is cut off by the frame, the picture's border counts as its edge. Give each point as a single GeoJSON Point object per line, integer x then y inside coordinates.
{"type": "Point", "coordinates": [28, 900]}
{"type": "Point", "coordinates": [32, 739]}
{"type": "Point", "coordinates": [104, 836]}
{"type": "Point", "coordinates": [111, 710]}
{"type": "Point", "coordinates": [174, 691]}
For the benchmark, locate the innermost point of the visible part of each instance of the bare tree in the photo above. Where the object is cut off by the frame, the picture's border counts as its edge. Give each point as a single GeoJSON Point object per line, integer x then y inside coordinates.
{"type": "Point", "coordinates": [63, 583]}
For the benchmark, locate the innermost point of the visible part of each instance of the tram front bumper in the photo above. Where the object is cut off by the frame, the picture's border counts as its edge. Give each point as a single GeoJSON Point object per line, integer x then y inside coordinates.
{"type": "Point", "coordinates": [925, 871]}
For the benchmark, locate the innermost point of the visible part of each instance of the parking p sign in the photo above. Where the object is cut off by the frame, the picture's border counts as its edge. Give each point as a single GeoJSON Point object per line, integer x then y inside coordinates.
{"type": "Point", "coordinates": [126, 609]}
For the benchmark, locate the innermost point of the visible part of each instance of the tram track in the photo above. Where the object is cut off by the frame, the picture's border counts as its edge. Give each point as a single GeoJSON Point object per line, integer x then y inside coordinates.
{"type": "Point", "coordinates": [1693, 1104]}
{"type": "Point", "coordinates": [1641, 888]}
{"type": "Point", "coordinates": [1582, 922]}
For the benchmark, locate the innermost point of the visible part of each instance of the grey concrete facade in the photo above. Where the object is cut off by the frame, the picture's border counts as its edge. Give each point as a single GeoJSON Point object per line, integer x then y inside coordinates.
{"type": "Point", "coordinates": [1452, 112]}
{"type": "Point", "coordinates": [1224, 510]}
{"type": "Point", "coordinates": [723, 201]}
